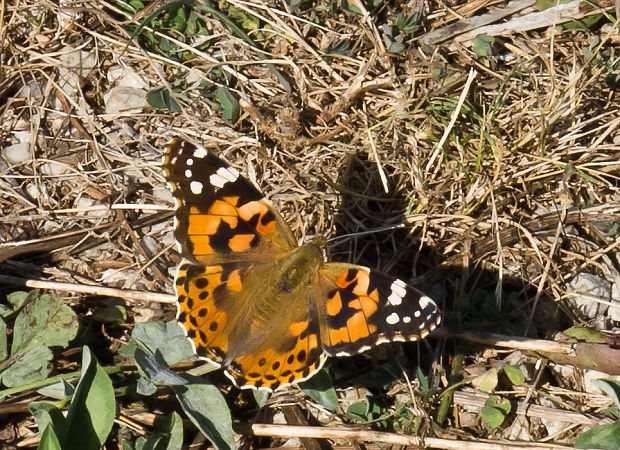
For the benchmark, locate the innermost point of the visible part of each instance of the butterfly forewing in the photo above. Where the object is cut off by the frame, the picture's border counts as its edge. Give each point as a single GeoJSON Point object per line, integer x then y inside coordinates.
{"type": "Point", "coordinates": [220, 215]}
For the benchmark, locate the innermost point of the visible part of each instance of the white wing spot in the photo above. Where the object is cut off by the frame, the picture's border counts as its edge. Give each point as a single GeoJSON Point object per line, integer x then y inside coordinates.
{"type": "Point", "coordinates": [406, 319]}
{"type": "Point", "coordinates": [228, 173]}
{"type": "Point", "coordinates": [392, 318]}
{"type": "Point", "coordinates": [196, 187]}
{"type": "Point", "coordinates": [188, 173]}
{"type": "Point", "coordinates": [189, 162]}
{"type": "Point", "coordinates": [424, 333]}
{"type": "Point", "coordinates": [173, 160]}
{"type": "Point", "coordinates": [217, 180]}
{"type": "Point", "coordinates": [200, 153]}
{"type": "Point", "coordinates": [417, 314]}
{"type": "Point", "coordinates": [425, 302]}
{"type": "Point", "coordinates": [223, 175]}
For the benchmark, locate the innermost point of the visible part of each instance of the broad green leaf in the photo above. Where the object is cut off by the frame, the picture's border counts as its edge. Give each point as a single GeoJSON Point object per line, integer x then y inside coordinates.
{"type": "Point", "coordinates": [5, 311]}
{"type": "Point", "coordinates": [45, 321]}
{"type": "Point", "coordinates": [4, 351]}
{"type": "Point", "coordinates": [127, 351]}
{"type": "Point", "coordinates": [230, 104]}
{"type": "Point", "coordinates": [585, 334]}
{"type": "Point", "coordinates": [49, 440]}
{"type": "Point", "coordinates": [171, 437]}
{"type": "Point", "coordinates": [91, 414]}
{"type": "Point", "coordinates": [482, 45]}
{"type": "Point", "coordinates": [60, 390]}
{"type": "Point", "coordinates": [155, 368]}
{"type": "Point", "coordinates": [168, 338]}
{"type": "Point", "coordinates": [321, 390]}
{"type": "Point", "coordinates": [207, 409]}
{"type": "Point", "coordinates": [160, 98]}
{"type": "Point", "coordinates": [260, 396]}
{"type": "Point", "coordinates": [359, 410]}
{"type": "Point", "coordinates": [497, 402]}
{"type": "Point", "coordinates": [493, 417]}
{"type": "Point", "coordinates": [31, 366]}
{"type": "Point", "coordinates": [47, 416]}
{"type": "Point", "coordinates": [145, 387]}
{"type": "Point", "coordinates": [19, 298]}
{"type": "Point", "coordinates": [494, 411]}
{"type": "Point", "coordinates": [514, 374]}
{"type": "Point", "coordinates": [487, 381]}
{"type": "Point", "coordinates": [113, 315]}
{"type": "Point", "coordinates": [606, 437]}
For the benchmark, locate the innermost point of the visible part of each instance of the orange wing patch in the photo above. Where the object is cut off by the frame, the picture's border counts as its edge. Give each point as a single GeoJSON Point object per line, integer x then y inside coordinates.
{"type": "Point", "coordinates": [290, 358]}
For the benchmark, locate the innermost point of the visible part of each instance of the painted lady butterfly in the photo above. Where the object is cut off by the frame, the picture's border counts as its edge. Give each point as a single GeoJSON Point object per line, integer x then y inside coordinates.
{"type": "Point", "coordinates": [254, 301]}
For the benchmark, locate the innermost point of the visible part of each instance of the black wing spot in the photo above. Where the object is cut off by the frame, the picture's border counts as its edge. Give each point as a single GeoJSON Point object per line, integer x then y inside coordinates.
{"type": "Point", "coordinates": [301, 356]}
{"type": "Point", "coordinates": [201, 283]}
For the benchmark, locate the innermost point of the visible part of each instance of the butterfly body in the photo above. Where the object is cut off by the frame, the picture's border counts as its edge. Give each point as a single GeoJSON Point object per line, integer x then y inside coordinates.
{"type": "Point", "coordinates": [253, 301]}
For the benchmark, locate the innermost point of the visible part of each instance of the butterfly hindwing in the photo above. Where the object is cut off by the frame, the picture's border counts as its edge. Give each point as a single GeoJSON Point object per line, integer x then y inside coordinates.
{"type": "Point", "coordinates": [364, 308]}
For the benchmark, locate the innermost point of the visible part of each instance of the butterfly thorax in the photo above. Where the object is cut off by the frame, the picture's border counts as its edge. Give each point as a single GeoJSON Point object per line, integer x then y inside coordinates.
{"type": "Point", "coordinates": [298, 268]}
{"type": "Point", "coordinates": [281, 301]}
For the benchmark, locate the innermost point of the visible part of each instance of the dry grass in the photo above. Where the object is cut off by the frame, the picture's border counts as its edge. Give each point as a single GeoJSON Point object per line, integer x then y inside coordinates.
{"type": "Point", "coordinates": [490, 181]}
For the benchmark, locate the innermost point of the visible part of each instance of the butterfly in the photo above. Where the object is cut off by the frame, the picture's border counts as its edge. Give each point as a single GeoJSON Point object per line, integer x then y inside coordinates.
{"type": "Point", "coordinates": [253, 301]}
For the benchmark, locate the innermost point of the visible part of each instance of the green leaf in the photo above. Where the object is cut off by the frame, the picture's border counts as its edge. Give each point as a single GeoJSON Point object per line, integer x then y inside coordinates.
{"type": "Point", "coordinates": [494, 411]}
{"type": "Point", "coordinates": [145, 387]}
{"type": "Point", "coordinates": [260, 396]}
{"type": "Point", "coordinates": [492, 417]}
{"type": "Point", "coordinates": [393, 39]}
{"type": "Point", "coordinates": [207, 409]}
{"type": "Point", "coordinates": [60, 390]}
{"type": "Point", "coordinates": [583, 333]}
{"type": "Point", "coordinates": [407, 24]}
{"type": "Point", "coordinates": [606, 437]}
{"type": "Point", "coordinates": [112, 315]}
{"type": "Point", "coordinates": [321, 390]}
{"type": "Point", "coordinates": [19, 298]}
{"type": "Point", "coordinates": [514, 374]}
{"type": "Point", "coordinates": [49, 440]}
{"type": "Point", "coordinates": [5, 311]}
{"type": "Point", "coordinates": [49, 416]}
{"type": "Point", "coordinates": [45, 321]}
{"type": "Point", "coordinates": [229, 103]}
{"type": "Point", "coordinates": [171, 436]}
{"type": "Point", "coordinates": [156, 369]}
{"type": "Point", "coordinates": [167, 338]}
{"type": "Point", "coordinates": [91, 414]}
{"type": "Point", "coordinates": [482, 45]}
{"type": "Point", "coordinates": [4, 351]}
{"type": "Point", "coordinates": [162, 99]}
{"type": "Point", "coordinates": [31, 366]}
{"type": "Point", "coordinates": [359, 410]}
